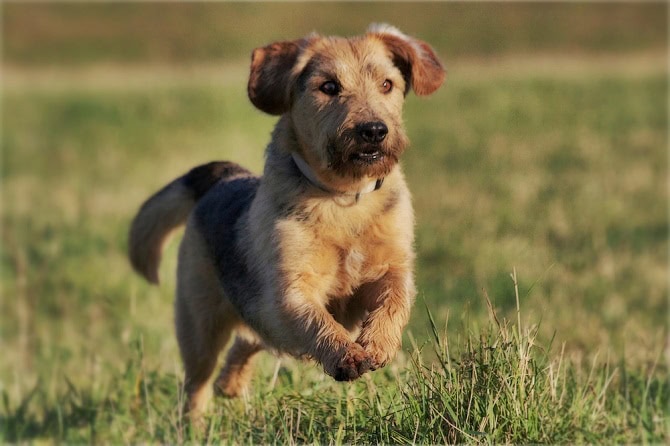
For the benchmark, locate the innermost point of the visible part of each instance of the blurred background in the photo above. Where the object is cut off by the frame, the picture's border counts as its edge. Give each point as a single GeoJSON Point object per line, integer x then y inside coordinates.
{"type": "Point", "coordinates": [545, 152]}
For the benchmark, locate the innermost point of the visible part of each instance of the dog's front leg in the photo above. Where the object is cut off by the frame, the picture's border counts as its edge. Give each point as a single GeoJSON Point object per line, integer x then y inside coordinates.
{"type": "Point", "coordinates": [389, 300]}
{"type": "Point", "coordinates": [310, 328]}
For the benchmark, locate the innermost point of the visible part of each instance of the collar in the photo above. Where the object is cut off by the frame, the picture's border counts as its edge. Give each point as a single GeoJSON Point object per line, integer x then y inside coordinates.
{"type": "Point", "coordinates": [309, 174]}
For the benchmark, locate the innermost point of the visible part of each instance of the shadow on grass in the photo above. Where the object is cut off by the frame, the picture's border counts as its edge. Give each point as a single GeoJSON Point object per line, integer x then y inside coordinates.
{"type": "Point", "coordinates": [73, 411]}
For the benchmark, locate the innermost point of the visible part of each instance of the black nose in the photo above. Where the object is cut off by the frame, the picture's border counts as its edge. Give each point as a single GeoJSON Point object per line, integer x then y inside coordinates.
{"type": "Point", "coordinates": [372, 132]}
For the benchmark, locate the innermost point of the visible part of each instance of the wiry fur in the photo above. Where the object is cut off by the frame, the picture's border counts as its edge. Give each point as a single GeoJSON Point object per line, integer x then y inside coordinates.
{"type": "Point", "coordinates": [168, 210]}
{"type": "Point", "coordinates": [158, 218]}
{"type": "Point", "coordinates": [320, 272]}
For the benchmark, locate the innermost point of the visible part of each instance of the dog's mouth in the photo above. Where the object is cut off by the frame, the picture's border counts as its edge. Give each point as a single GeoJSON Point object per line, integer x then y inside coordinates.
{"type": "Point", "coordinates": [363, 160]}
{"type": "Point", "coordinates": [367, 156]}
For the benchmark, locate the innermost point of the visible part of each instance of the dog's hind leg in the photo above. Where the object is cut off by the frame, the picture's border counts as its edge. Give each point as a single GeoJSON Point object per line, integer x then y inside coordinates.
{"type": "Point", "coordinates": [238, 368]}
{"type": "Point", "coordinates": [204, 319]}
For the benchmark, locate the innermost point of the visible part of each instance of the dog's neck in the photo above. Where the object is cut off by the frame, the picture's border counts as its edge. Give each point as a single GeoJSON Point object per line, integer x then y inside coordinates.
{"type": "Point", "coordinates": [309, 174]}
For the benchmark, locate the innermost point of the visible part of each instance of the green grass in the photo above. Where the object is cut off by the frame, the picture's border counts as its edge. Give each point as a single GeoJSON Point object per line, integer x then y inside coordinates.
{"type": "Point", "coordinates": [553, 165]}
{"type": "Point", "coordinates": [497, 385]}
{"type": "Point", "coordinates": [562, 178]}
{"type": "Point", "coordinates": [61, 33]}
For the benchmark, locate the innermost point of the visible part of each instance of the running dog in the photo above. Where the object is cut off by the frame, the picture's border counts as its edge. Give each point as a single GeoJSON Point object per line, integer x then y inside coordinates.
{"type": "Point", "coordinates": [315, 258]}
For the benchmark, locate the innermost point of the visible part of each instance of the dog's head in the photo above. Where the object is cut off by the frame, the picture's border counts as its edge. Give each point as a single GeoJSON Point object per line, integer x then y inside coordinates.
{"type": "Point", "coordinates": [344, 97]}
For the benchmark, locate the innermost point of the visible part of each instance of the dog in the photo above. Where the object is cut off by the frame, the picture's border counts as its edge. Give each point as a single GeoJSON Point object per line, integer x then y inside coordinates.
{"type": "Point", "coordinates": [315, 258]}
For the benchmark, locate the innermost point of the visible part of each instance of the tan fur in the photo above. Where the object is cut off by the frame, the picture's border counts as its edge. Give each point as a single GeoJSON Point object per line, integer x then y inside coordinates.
{"type": "Point", "coordinates": [327, 271]}
{"type": "Point", "coordinates": [152, 227]}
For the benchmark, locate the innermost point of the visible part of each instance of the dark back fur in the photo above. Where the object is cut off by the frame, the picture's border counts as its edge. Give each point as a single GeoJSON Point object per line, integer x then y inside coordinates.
{"type": "Point", "coordinates": [220, 216]}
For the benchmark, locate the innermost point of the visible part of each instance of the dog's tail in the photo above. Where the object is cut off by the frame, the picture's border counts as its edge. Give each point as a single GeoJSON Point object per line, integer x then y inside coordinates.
{"type": "Point", "coordinates": [168, 209]}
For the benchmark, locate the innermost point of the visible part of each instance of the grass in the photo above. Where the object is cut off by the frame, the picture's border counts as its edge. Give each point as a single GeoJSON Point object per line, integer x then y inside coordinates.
{"type": "Point", "coordinates": [551, 166]}
{"type": "Point", "coordinates": [496, 385]}
{"type": "Point", "coordinates": [183, 33]}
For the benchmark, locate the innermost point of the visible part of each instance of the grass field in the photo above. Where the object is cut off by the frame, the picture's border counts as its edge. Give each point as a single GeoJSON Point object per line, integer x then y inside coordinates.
{"type": "Point", "coordinates": [540, 181]}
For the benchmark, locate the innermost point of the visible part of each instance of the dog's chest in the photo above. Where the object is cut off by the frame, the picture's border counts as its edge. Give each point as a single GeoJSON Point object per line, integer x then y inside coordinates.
{"type": "Point", "coordinates": [357, 265]}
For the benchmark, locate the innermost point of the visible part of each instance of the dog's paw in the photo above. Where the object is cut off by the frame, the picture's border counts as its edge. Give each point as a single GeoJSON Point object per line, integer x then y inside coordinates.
{"type": "Point", "coordinates": [353, 364]}
{"type": "Point", "coordinates": [226, 390]}
{"type": "Point", "coordinates": [380, 356]}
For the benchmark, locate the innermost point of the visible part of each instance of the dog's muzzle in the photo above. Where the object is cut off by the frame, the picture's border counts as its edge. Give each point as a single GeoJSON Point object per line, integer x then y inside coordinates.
{"type": "Point", "coordinates": [371, 135]}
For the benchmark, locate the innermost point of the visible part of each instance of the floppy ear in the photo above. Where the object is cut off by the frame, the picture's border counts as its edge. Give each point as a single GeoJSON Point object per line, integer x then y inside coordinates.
{"type": "Point", "coordinates": [271, 77]}
{"type": "Point", "coordinates": [415, 59]}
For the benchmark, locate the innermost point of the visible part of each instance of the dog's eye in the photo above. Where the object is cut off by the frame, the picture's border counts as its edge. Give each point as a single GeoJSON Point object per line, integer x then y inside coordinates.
{"type": "Point", "coordinates": [330, 88]}
{"type": "Point", "coordinates": [387, 86]}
